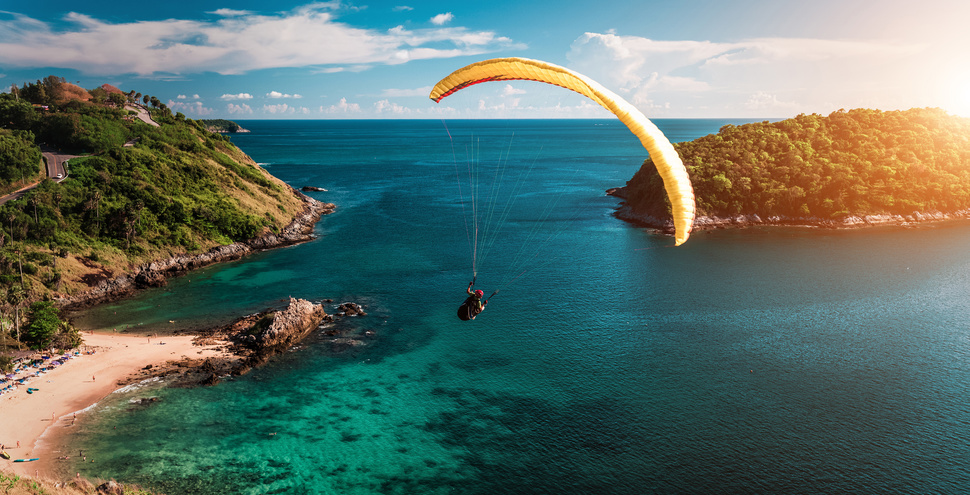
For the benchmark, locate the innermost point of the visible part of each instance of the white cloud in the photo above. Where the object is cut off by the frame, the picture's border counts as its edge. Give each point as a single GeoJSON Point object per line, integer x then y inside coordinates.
{"type": "Point", "coordinates": [388, 107]}
{"type": "Point", "coordinates": [236, 42]}
{"type": "Point", "coordinates": [231, 12]}
{"type": "Point", "coordinates": [773, 76]}
{"type": "Point", "coordinates": [277, 94]}
{"type": "Point", "coordinates": [183, 97]}
{"type": "Point", "coordinates": [510, 90]}
{"type": "Point", "coordinates": [190, 108]}
{"type": "Point", "coordinates": [402, 8]}
{"type": "Point", "coordinates": [285, 109]}
{"type": "Point", "coordinates": [442, 19]}
{"type": "Point", "coordinates": [398, 93]}
{"type": "Point", "coordinates": [281, 109]}
{"type": "Point", "coordinates": [238, 96]}
{"type": "Point", "coordinates": [241, 109]}
{"type": "Point", "coordinates": [342, 107]}
{"type": "Point", "coordinates": [766, 101]}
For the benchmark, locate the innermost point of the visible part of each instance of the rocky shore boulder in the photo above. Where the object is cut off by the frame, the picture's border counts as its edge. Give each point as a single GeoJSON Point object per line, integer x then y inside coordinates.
{"type": "Point", "coordinates": [350, 309]}
{"type": "Point", "coordinates": [259, 337]}
{"type": "Point", "coordinates": [290, 325]}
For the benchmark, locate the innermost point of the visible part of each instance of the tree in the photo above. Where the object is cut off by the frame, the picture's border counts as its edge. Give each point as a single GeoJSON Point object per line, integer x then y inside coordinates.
{"type": "Point", "coordinates": [15, 296]}
{"type": "Point", "coordinates": [117, 98]}
{"type": "Point", "coordinates": [16, 113]}
{"type": "Point", "coordinates": [18, 155]}
{"type": "Point", "coordinates": [43, 326]}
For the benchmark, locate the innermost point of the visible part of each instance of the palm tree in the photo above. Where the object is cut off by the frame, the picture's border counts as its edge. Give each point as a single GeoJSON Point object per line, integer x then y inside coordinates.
{"type": "Point", "coordinates": [15, 296]}
{"type": "Point", "coordinates": [95, 204]}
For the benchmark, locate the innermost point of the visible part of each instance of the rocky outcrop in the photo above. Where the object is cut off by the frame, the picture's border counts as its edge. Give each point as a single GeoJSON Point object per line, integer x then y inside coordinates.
{"type": "Point", "coordinates": [249, 342]}
{"type": "Point", "coordinates": [275, 332]}
{"type": "Point", "coordinates": [154, 274]}
{"type": "Point", "coordinates": [350, 309]}
{"type": "Point", "coordinates": [289, 326]}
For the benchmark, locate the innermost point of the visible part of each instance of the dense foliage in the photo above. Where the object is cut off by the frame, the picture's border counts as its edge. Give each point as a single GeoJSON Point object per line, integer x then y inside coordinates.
{"type": "Point", "coordinates": [137, 193]}
{"type": "Point", "coordinates": [857, 162]}
{"type": "Point", "coordinates": [19, 156]}
{"type": "Point", "coordinates": [43, 325]}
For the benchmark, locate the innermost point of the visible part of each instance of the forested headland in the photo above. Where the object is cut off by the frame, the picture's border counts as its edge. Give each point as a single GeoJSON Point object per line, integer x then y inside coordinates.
{"type": "Point", "coordinates": [833, 170]}
{"type": "Point", "coordinates": [136, 194]}
{"type": "Point", "coordinates": [222, 125]}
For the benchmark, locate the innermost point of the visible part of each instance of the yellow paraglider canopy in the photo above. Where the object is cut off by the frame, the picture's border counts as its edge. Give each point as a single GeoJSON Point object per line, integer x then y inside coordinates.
{"type": "Point", "coordinates": [668, 163]}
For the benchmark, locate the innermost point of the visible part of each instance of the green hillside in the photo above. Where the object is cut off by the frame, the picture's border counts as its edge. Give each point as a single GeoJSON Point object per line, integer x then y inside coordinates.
{"type": "Point", "coordinates": [814, 168]}
{"type": "Point", "coordinates": [138, 193]}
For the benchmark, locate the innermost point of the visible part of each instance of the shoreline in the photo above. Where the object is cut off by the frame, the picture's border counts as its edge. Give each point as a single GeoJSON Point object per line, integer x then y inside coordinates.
{"type": "Point", "coordinates": [624, 212]}
{"type": "Point", "coordinates": [155, 273]}
{"type": "Point", "coordinates": [39, 424]}
{"type": "Point", "coordinates": [42, 421]}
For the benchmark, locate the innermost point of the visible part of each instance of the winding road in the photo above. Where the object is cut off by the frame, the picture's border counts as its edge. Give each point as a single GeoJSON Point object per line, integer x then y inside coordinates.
{"type": "Point", "coordinates": [56, 161]}
{"type": "Point", "coordinates": [56, 171]}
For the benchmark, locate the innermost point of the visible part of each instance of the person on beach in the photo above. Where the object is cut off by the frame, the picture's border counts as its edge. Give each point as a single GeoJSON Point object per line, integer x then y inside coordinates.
{"type": "Point", "coordinates": [473, 305]}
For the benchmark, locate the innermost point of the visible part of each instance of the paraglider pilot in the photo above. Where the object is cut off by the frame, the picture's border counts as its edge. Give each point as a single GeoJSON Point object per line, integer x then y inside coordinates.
{"type": "Point", "coordinates": [473, 305]}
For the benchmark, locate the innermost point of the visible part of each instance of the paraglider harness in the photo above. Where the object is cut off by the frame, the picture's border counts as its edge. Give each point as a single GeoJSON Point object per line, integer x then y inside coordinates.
{"type": "Point", "coordinates": [473, 305]}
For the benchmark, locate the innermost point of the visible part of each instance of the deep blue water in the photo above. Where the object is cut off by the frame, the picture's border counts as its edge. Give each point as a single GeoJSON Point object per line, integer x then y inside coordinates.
{"type": "Point", "coordinates": [745, 361]}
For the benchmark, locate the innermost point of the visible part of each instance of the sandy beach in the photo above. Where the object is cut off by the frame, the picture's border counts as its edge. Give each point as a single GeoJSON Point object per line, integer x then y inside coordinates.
{"type": "Point", "coordinates": [35, 421]}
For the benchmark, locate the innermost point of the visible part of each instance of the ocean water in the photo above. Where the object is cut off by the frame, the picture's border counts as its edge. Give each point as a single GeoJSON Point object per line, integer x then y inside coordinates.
{"type": "Point", "coordinates": [746, 361]}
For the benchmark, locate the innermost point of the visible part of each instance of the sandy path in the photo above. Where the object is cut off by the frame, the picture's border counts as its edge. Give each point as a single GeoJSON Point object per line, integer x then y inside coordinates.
{"type": "Point", "coordinates": [36, 419]}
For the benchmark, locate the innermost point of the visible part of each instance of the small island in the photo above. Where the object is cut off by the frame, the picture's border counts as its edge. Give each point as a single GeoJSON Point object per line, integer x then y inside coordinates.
{"type": "Point", "coordinates": [852, 168]}
{"type": "Point", "coordinates": [222, 126]}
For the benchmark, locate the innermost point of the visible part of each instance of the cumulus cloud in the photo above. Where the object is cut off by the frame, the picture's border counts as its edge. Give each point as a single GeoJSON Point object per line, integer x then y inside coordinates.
{"type": "Point", "coordinates": [277, 94]}
{"type": "Point", "coordinates": [183, 97]}
{"type": "Point", "coordinates": [285, 109]}
{"type": "Point", "coordinates": [238, 96]}
{"type": "Point", "coordinates": [388, 107]}
{"type": "Point", "coordinates": [442, 19]}
{"type": "Point", "coordinates": [235, 42]}
{"type": "Point", "coordinates": [510, 90]}
{"type": "Point", "coordinates": [241, 109]}
{"type": "Point", "coordinates": [767, 75]}
{"type": "Point", "coordinates": [190, 108]}
{"type": "Point", "coordinates": [342, 107]}
{"type": "Point", "coordinates": [281, 109]}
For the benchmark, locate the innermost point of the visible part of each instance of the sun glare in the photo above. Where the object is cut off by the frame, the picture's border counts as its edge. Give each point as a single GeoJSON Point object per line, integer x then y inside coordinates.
{"type": "Point", "coordinates": [960, 95]}
{"type": "Point", "coordinates": [963, 102]}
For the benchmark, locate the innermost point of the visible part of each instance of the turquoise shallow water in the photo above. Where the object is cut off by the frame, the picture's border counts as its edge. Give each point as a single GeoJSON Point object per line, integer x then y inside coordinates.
{"type": "Point", "coordinates": [745, 361]}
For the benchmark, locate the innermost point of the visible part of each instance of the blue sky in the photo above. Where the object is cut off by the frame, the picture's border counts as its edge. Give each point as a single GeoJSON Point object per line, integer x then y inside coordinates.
{"type": "Point", "coordinates": [252, 60]}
